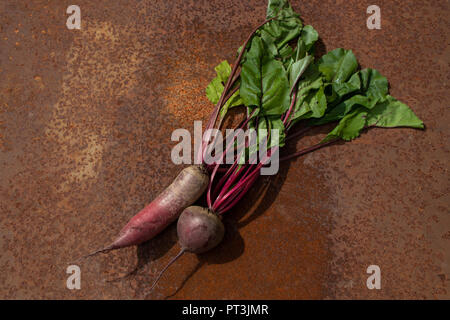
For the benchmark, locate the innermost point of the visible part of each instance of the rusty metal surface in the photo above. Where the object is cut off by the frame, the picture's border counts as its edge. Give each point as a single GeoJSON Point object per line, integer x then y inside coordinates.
{"type": "Point", "coordinates": [85, 123]}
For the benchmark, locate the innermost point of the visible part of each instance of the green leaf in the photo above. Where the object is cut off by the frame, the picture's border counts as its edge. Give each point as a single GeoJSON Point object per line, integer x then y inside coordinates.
{"type": "Point", "coordinates": [223, 71]}
{"type": "Point", "coordinates": [269, 41]}
{"type": "Point", "coordinates": [388, 114]}
{"type": "Point", "coordinates": [309, 36]}
{"type": "Point", "coordinates": [300, 50]}
{"type": "Point", "coordinates": [393, 113]}
{"type": "Point", "coordinates": [286, 52]}
{"type": "Point", "coordinates": [344, 108]}
{"type": "Point", "coordinates": [216, 86]}
{"type": "Point", "coordinates": [367, 81]}
{"type": "Point", "coordinates": [280, 9]}
{"type": "Point", "coordinates": [276, 125]}
{"type": "Point", "coordinates": [278, 32]}
{"type": "Point", "coordinates": [349, 127]}
{"type": "Point", "coordinates": [268, 124]}
{"type": "Point", "coordinates": [298, 68]}
{"type": "Point", "coordinates": [264, 82]}
{"type": "Point", "coordinates": [311, 79]}
{"type": "Point", "coordinates": [313, 105]}
{"type": "Point", "coordinates": [338, 65]}
{"type": "Point", "coordinates": [308, 96]}
{"type": "Point", "coordinates": [214, 90]}
{"type": "Point", "coordinates": [288, 64]}
{"type": "Point", "coordinates": [368, 87]}
{"type": "Point", "coordinates": [265, 125]}
{"type": "Point", "coordinates": [305, 42]}
{"type": "Point", "coordinates": [234, 101]}
{"type": "Point", "coordinates": [344, 88]}
{"type": "Point", "coordinates": [373, 84]}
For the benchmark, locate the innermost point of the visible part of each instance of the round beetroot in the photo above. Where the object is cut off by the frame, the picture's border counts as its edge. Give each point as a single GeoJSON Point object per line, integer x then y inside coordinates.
{"type": "Point", "coordinates": [199, 229]}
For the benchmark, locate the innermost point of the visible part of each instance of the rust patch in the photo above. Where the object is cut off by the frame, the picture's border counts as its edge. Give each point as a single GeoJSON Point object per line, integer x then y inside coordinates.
{"type": "Point", "coordinates": [185, 95]}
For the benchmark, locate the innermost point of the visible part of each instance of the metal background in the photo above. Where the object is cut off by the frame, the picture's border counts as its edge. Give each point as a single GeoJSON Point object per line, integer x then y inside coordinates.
{"type": "Point", "coordinates": [85, 123]}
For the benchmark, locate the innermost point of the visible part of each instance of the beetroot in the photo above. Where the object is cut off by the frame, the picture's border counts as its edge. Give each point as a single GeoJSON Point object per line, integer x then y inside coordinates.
{"type": "Point", "coordinates": [187, 187]}
{"type": "Point", "coordinates": [199, 230]}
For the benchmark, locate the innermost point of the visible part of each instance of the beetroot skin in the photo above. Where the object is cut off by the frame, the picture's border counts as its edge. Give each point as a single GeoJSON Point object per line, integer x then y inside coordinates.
{"type": "Point", "coordinates": [199, 229]}
{"type": "Point", "coordinates": [187, 187]}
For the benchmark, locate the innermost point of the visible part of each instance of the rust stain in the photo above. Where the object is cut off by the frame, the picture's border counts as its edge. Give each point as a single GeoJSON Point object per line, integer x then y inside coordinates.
{"type": "Point", "coordinates": [186, 92]}
{"type": "Point", "coordinates": [189, 72]}
{"type": "Point", "coordinates": [108, 76]}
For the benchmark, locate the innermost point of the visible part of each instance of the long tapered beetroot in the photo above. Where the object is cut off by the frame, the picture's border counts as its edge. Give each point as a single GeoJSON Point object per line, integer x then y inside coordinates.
{"type": "Point", "coordinates": [187, 187]}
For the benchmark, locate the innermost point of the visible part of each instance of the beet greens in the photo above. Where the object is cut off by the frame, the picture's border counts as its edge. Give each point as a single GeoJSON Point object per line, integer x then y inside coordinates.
{"type": "Point", "coordinates": [281, 83]}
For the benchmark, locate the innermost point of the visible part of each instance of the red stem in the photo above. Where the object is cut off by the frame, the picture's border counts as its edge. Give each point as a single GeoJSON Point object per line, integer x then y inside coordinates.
{"type": "Point", "coordinates": [208, 194]}
{"type": "Point", "coordinates": [231, 78]}
{"type": "Point", "coordinates": [223, 202]}
{"type": "Point", "coordinates": [240, 195]}
{"type": "Point", "coordinates": [222, 197]}
{"type": "Point", "coordinates": [234, 175]}
{"type": "Point", "coordinates": [230, 145]}
{"type": "Point", "coordinates": [294, 97]}
{"type": "Point", "coordinates": [307, 150]}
